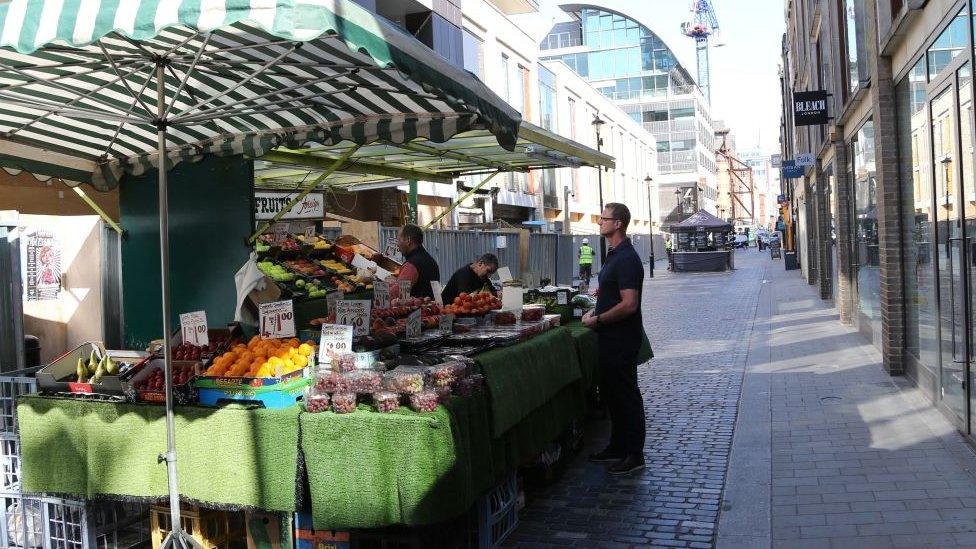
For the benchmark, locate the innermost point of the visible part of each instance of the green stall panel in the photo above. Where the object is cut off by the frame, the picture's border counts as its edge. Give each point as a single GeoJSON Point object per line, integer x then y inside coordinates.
{"type": "Point", "coordinates": [211, 214]}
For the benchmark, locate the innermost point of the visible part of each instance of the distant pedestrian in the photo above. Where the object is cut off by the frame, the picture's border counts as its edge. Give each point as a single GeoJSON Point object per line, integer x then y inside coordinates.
{"type": "Point", "coordinates": [622, 343]}
{"type": "Point", "coordinates": [668, 248]}
{"type": "Point", "coordinates": [585, 255]}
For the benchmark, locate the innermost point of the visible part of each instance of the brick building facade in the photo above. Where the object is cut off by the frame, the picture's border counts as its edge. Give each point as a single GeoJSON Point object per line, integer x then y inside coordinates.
{"type": "Point", "coordinates": [886, 218]}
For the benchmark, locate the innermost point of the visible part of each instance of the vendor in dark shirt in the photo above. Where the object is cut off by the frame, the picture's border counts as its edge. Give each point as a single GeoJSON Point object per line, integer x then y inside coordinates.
{"type": "Point", "coordinates": [470, 278]}
{"type": "Point", "coordinates": [419, 267]}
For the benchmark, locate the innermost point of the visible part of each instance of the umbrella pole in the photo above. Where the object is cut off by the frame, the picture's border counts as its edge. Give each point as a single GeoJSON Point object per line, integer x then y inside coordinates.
{"type": "Point", "coordinates": [176, 537]}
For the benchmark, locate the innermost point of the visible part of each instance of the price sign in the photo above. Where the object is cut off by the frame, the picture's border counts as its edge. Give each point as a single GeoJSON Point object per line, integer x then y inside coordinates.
{"type": "Point", "coordinates": [361, 262]}
{"type": "Point", "coordinates": [405, 288]}
{"type": "Point", "coordinates": [310, 231]}
{"type": "Point", "coordinates": [562, 297]}
{"type": "Point", "coordinates": [355, 313]}
{"type": "Point", "coordinates": [413, 325]}
{"type": "Point", "coordinates": [381, 296]}
{"type": "Point", "coordinates": [193, 327]}
{"type": "Point", "coordinates": [381, 273]}
{"type": "Point", "coordinates": [504, 274]}
{"type": "Point", "coordinates": [335, 338]}
{"type": "Point", "coordinates": [277, 319]}
{"type": "Point", "coordinates": [331, 299]}
{"type": "Point", "coordinates": [438, 292]}
{"type": "Point", "coordinates": [446, 323]}
{"type": "Point", "coordinates": [281, 228]}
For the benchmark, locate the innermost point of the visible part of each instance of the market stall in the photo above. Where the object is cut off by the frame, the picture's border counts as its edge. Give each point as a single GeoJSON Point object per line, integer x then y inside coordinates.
{"type": "Point", "coordinates": [701, 244]}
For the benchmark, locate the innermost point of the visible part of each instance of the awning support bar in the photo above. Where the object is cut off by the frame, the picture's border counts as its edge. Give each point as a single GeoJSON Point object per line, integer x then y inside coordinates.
{"type": "Point", "coordinates": [458, 202]}
{"type": "Point", "coordinates": [305, 190]}
{"type": "Point", "coordinates": [101, 213]}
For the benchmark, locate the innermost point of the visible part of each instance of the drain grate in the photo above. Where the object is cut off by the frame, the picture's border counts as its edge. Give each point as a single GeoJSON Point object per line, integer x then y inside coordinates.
{"type": "Point", "coordinates": [830, 399]}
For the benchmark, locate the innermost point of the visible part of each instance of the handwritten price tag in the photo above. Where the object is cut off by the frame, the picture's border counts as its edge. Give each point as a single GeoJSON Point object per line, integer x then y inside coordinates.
{"type": "Point", "coordinates": [194, 328]}
{"type": "Point", "coordinates": [381, 296]}
{"type": "Point", "coordinates": [355, 313]}
{"type": "Point", "coordinates": [331, 299]}
{"type": "Point", "coordinates": [435, 285]}
{"type": "Point", "coordinates": [335, 339]}
{"type": "Point", "coordinates": [413, 325]}
{"type": "Point", "coordinates": [446, 323]}
{"type": "Point", "coordinates": [310, 231]}
{"type": "Point", "coordinates": [562, 297]}
{"type": "Point", "coordinates": [276, 319]}
{"type": "Point", "coordinates": [405, 286]}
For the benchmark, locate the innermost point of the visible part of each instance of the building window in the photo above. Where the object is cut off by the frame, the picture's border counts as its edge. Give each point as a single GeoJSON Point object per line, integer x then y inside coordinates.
{"type": "Point", "coordinates": [572, 118]}
{"type": "Point", "coordinates": [520, 97]}
{"type": "Point", "coordinates": [547, 99]}
{"type": "Point", "coordinates": [850, 19]}
{"type": "Point", "coordinates": [948, 45]}
{"type": "Point", "coordinates": [472, 53]}
{"type": "Point", "coordinates": [866, 249]}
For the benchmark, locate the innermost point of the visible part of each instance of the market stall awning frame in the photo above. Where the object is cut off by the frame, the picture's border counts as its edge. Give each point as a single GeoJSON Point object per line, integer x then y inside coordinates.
{"type": "Point", "coordinates": [467, 153]}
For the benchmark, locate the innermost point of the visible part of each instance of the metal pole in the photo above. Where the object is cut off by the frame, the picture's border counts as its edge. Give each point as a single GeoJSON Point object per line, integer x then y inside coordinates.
{"type": "Point", "coordinates": [650, 228]}
{"type": "Point", "coordinates": [599, 184]}
{"type": "Point", "coordinates": [412, 201]}
{"type": "Point", "coordinates": [566, 194]}
{"type": "Point", "coordinates": [176, 537]}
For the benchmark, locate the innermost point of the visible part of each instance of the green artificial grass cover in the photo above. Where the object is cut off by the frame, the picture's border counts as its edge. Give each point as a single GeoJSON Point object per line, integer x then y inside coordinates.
{"type": "Point", "coordinates": [368, 469]}
{"type": "Point", "coordinates": [523, 377]}
{"type": "Point", "coordinates": [229, 457]}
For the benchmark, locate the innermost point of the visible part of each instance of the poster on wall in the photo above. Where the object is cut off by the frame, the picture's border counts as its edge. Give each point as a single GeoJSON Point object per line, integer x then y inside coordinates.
{"type": "Point", "coordinates": [41, 265]}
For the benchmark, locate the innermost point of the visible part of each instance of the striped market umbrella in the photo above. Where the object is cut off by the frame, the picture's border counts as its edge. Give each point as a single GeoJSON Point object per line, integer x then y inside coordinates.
{"type": "Point", "coordinates": [86, 84]}
{"type": "Point", "coordinates": [92, 90]}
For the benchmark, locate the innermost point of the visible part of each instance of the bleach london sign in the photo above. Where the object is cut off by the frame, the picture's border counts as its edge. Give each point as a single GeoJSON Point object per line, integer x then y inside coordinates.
{"type": "Point", "coordinates": [810, 108]}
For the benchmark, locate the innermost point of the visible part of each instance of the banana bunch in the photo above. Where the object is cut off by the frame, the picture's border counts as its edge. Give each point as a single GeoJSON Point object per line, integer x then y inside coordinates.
{"type": "Point", "coordinates": [93, 370]}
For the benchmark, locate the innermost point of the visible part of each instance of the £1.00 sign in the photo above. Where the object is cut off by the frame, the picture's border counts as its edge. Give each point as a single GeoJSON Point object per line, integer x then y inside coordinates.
{"type": "Point", "coordinates": [276, 319]}
{"type": "Point", "coordinates": [193, 328]}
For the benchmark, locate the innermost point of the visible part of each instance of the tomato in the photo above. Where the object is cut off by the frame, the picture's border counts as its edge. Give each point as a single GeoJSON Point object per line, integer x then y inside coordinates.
{"type": "Point", "coordinates": [463, 295]}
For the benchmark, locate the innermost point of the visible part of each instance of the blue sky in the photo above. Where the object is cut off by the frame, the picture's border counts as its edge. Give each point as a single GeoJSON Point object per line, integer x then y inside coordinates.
{"type": "Point", "coordinates": [745, 71]}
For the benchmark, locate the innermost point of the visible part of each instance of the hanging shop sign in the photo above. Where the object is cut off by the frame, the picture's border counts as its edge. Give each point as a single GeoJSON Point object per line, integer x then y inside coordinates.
{"type": "Point", "coordinates": [810, 108]}
{"type": "Point", "coordinates": [805, 159]}
{"type": "Point", "coordinates": [791, 170]}
{"type": "Point", "coordinates": [776, 160]}
{"type": "Point", "coordinates": [267, 205]}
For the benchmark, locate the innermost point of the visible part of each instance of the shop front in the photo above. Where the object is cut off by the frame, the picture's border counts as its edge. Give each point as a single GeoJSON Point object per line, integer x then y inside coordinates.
{"type": "Point", "coordinates": [935, 134]}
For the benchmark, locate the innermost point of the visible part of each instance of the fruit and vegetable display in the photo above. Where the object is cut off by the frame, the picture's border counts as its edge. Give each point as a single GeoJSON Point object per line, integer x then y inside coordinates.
{"type": "Point", "coordinates": [263, 358]}
{"type": "Point", "coordinates": [533, 313]}
{"type": "Point", "coordinates": [424, 401]}
{"type": "Point", "coordinates": [156, 379]}
{"type": "Point", "coordinates": [314, 289]}
{"type": "Point", "coordinates": [477, 303]}
{"type": "Point", "coordinates": [363, 381]}
{"type": "Point", "coordinates": [404, 380]}
{"type": "Point", "coordinates": [344, 403]}
{"type": "Point", "coordinates": [317, 242]}
{"type": "Point", "coordinates": [275, 271]}
{"type": "Point", "coordinates": [304, 267]}
{"type": "Point", "coordinates": [386, 401]}
{"type": "Point", "coordinates": [336, 267]}
{"type": "Point", "coordinates": [317, 403]}
{"type": "Point", "coordinates": [94, 369]}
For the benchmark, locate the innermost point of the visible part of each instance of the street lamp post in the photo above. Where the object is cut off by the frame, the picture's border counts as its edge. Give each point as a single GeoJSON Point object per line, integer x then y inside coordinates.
{"type": "Point", "coordinates": [597, 122]}
{"type": "Point", "coordinates": [650, 226]}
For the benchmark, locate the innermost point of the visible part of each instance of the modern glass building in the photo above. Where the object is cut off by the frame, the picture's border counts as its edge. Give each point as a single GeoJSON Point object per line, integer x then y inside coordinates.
{"type": "Point", "coordinates": [631, 65]}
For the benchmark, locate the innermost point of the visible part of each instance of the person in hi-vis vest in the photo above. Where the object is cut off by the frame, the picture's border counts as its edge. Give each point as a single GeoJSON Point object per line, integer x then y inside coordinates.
{"type": "Point", "coordinates": [585, 262]}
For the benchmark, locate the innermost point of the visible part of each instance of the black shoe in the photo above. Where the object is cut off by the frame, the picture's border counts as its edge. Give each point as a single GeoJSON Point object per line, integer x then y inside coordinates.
{"type": "Point", "coordinates": [606, 456]}
{"type": "Point", "coordinates": [627, 465]}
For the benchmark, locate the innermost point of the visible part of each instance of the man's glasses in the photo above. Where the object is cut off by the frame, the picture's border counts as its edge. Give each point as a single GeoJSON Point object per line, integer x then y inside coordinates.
{"type": "Point", "coordinates": [602, 219]}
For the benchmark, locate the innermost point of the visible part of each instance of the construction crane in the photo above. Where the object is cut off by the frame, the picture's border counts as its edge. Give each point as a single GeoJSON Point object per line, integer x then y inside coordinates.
{"type": "Point", "coordinates": [703, 24]}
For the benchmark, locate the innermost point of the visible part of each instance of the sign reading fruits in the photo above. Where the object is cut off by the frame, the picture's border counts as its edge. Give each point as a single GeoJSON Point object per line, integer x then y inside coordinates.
{"type": "Point", "coordinates": [335, 338]}
{"type": "Point", "coordinates": [381, 296]}
{"type": "Point", "coordinates": [413, 325]}
{"type": "Point", "coordinates": [193, 328]}
{"type": "Point", "coordinates": [355, 313]}
{"type": "Point", "coordinates": [276, 319]}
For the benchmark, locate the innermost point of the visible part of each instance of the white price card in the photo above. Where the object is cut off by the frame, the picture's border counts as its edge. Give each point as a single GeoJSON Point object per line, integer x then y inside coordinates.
{"type": "Point", "coordinates": [331, 299]}
{"type": "Point", "coordinates": [282, 228]}
{"type": "Point", "coordinates": [310, 231]}
{"type": "Point", "coordinates": [361, 262]}
{"type": "Point", "coordinates": [438, 292]}
{"type": "Point", "coordinates": [413, 325]}
{"type": "Point", "coordinates": [335, 338]}
{"type": "Point", "coordinates": [355, 313]}
{"type": "Point", "coordinates": [381, 296]}
{"type": "Point", "coordinates": [446, 323]}
{"type": "Point", "coordinates": [512, 298]}
{"type": "Point", "coordinates": [405, 286]}
{"type": "Point", "coordinates": [504, 274]}
{"type": "Point", "coordinates": [562, 297]}
{"type": "Point", "coordinates": [193, 328]}
{"type": "Point", "coordinates": [381, 273]}
{"type": "Point", "coordinates": [276, 319]}
{"type": "Point", "coordinates": [501, 242]}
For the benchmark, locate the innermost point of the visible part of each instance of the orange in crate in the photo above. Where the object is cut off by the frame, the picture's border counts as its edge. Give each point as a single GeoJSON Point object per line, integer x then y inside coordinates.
{"type": "Point", "coordinates": [213, 529]}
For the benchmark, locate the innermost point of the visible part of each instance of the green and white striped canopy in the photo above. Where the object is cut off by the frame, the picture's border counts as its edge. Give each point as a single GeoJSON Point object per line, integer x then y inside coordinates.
{"type": "Point", "coordinates": [79, 88]}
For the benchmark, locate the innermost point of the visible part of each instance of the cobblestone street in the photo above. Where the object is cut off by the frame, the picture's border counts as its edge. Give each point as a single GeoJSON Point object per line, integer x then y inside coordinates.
{"type": "Point", "coordinates": [829, 451]}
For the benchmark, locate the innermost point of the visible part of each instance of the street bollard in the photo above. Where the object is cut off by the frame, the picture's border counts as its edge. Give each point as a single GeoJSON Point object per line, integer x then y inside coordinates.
{"type": "Point", "coordinates": [650, 264]}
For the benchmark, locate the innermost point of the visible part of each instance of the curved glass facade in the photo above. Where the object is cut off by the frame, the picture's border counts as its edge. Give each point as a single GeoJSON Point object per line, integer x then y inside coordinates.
{"type": "Point", "coordinates": [621, 49]}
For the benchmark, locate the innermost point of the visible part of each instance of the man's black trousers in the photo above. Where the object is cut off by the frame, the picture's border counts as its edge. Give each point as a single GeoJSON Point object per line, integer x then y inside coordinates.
{"type": "Point", "coordinates": [619, 390]}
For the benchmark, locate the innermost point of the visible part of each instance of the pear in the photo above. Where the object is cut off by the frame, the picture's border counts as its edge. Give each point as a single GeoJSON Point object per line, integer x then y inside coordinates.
{"type": "Point", "coordinates": [92, 364]}
{"type": "Point", "coordinates": [111, 367]}
{"type": "Point", "coordinates": [99, 371]}
{"type": "Point", "coordinates": [82, 371]}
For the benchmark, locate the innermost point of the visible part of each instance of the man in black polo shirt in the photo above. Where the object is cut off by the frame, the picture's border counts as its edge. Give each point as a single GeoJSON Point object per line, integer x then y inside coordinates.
{"type": "Point", "coordinates": [470, 278]}
{"type": "Point", "coordinates": [418, 267]}
{"type": "Point", "coordinates": [617, 320]}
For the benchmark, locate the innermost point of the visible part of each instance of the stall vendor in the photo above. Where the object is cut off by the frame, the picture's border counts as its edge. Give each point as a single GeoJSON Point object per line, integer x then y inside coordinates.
{"type": "Point", "coordinates": [471, 278]}
{"type": "Point", "coordinates": [418, 266]}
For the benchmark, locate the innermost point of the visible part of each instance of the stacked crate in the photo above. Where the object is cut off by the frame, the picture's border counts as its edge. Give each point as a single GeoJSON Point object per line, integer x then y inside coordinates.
{"type": "Point", "coordinates": [48, 522]}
